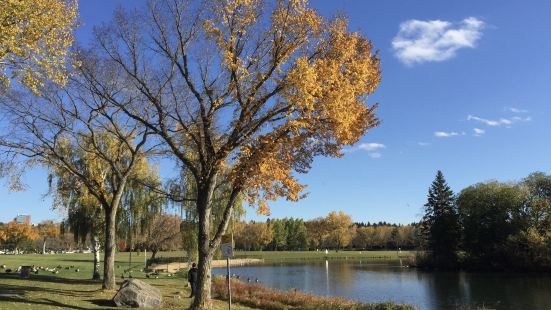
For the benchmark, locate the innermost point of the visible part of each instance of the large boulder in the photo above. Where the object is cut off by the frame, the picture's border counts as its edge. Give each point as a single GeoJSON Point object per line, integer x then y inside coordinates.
{"type": "Point", "coordinates": [138, 294]}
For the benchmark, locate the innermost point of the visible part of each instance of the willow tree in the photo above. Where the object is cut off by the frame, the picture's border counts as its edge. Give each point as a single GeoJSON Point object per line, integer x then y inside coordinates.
{"type": "Point", "coordinates": [84, 211]}
{"type": "Point", "coordinates": [258, 88]}
{"type": "Point", "coordinates": [74, 133]}
{"type": "Point", "coordinates": [35, 37]}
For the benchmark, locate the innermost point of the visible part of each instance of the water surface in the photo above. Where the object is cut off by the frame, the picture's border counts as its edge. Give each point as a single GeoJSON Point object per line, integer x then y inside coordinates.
{"type": "Point", "coordinates": [369, 281]}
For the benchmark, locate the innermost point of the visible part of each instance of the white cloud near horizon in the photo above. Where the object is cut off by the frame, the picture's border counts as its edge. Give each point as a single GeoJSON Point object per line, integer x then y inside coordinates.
{"type": "Point", "coordinates": [421, 41]}
{"type": "Point", "coordinates": [499, 122]}
{"type": "Point", "coordinates": [371, 146]}
{"type": "Point", "coordinates": [517, 110]}
{"type": "Point", "coordinates": [375, 155]}
{"type": "Point", "coordinates": [372, 149]}
{"type": "Point", "coordinates": [445, 134]}
{"type": "Point", "coordinates": [478, 132]}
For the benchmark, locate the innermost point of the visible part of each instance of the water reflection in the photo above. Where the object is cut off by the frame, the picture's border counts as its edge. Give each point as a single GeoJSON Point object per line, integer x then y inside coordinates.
{"type": "Point", "coordinates": [377, 282]}
{"type": "Point", "coordinates": [327, 292]}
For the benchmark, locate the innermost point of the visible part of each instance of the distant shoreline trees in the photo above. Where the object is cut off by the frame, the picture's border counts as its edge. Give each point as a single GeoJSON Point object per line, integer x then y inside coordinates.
{"type": "Point", "coordinates": [336, 231]}
{"type": "Point", "coordinates": [498, 226]}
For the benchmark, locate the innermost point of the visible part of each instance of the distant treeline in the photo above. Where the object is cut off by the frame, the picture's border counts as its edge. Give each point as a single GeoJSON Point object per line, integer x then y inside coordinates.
{"type": "Point", "coordinates": [489, 225]}
{"type": "Point", "coordinates": [335, 231]}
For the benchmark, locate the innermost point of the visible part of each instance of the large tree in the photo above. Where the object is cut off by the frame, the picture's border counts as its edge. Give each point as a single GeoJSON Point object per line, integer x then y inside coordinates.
{"type": "Point", "coordinates": [253, 88]}
{"type": "Point", "coordinates": [75, 134]}
{"type": "Point", "coordinates": [35, 37]}
{"type": "Point", "coordinates": [491, 212]}
{"type": "Point", "coordinates": [441, 227]}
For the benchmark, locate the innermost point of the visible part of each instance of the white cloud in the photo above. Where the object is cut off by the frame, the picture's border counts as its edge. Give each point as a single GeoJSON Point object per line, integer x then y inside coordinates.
{"type": "Point", "coordinates": [375, 155]}
{"type": "Point", "coordinates": [516, 110]}
{"type": "Point", "coordinates": [499, 122]}
{"type": "Point", "coordinates": [423, 143]}
{"type": "Point", "coordinates": [372, 149]}
{"type": "Point", "coordinates": [421, 41]}
{"type": "Point", "coordinates": [371, 146]}
{"type": "Point", "coordinates": [521, 119]}
{"type": "Point", "coordinates": [444, 134]}
{"type": "Point", "coordinates": [478, 132]}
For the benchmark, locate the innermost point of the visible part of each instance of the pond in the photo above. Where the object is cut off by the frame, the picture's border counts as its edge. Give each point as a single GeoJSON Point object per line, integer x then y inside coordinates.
{"type": "Point", "coordinates": [372, 281]}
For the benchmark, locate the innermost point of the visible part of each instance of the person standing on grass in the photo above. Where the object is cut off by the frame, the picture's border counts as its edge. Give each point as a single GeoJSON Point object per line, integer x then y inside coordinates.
{"type": "Point", "coordinates": [192, 278]}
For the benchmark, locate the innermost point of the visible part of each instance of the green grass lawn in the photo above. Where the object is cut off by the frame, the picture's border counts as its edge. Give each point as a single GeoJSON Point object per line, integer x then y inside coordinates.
{"type": "Point", "coordinates": [75, 290]}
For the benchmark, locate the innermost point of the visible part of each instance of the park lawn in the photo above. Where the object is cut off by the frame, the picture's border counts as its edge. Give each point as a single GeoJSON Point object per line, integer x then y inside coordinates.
{"type": "Point", "coordinates": [74, 290]}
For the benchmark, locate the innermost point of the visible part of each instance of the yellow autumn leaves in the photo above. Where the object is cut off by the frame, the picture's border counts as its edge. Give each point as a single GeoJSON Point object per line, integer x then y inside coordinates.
{"type": "Point", "coordinates": [325, 73]}
{"type": "Point", "coordinates": [34, 40]}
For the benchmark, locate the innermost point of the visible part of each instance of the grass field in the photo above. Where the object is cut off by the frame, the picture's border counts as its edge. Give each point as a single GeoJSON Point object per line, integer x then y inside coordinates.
{"type": "Point", "coordinates": [74, 290]}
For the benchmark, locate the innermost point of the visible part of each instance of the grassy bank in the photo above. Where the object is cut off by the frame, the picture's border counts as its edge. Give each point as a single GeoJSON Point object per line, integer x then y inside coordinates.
{"type": "Point", "coordinates": [270, 299]}
{"type": "Point", "coordinates": [320, 255]}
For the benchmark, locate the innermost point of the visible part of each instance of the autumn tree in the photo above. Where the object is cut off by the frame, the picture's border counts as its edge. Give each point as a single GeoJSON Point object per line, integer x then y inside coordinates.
{"type": "Point", "coordinates": [35, 37]}
{"type": "Point", "coordinates": [341, 229]}
{"type": "Point", "coordinates": [47, 229]}
{"type": "Point", "coordinates": [253, 236]}
{"type": "Point", "coordinates": [317, 231]}
{"type": "Point", "coordinates": [163, 235]}
{"type": "Point", "coordinates": [257, 88]}
{"type": "Point", "coordinates": [16, 234]}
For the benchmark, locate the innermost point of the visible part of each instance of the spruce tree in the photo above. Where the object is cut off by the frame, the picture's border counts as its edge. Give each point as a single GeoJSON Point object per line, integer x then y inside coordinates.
{"type": "Point", "coordinates": [440, 226]}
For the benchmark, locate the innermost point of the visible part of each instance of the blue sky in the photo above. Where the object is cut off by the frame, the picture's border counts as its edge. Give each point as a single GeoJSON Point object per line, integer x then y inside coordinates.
{"type": "Point", "coordinates": [466, 89]}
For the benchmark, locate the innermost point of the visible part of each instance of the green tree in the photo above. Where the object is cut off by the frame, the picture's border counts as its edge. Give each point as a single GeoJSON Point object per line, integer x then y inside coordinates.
{"type": "Point", "coordinates": [441, 227]}
{"type": "Point", "coordinates": [491, 213]}
{"type": "Point", "coordinates": [296, 234]}
{"type": "Point", "coordinates": [279, 241]}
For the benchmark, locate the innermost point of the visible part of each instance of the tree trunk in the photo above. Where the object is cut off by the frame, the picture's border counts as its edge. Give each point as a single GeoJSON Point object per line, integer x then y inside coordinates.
{"type": "Point", "coordinates": [44, 246]}
{"type": "Point", "coordinates": [110, 243]}
{"type": "Point", "coordinates": [111, 238]}
{"type": "Point", "coordinates": [202, 295]}
{"type": "Point", "coordinates": [95, 250]}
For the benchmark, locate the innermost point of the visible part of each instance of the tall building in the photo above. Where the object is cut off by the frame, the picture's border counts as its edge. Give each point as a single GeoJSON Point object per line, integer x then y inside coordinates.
{"type": "Point", "coordinates": [23, 219]}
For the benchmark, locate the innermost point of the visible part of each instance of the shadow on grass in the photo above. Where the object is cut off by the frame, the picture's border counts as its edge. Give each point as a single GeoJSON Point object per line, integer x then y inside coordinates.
{"type": "Point", "coordinates": [23, 291]}
{"type": "Point", "coordinates": [48, 278]}
{"type": "Point", "coordinates": [103, 303]}
{"type": "Point", "coordinates": [44, 302]}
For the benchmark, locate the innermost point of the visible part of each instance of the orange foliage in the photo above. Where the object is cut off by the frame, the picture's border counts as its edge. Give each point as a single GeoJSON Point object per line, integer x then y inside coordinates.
{"type": "Point", "coordinates": [16, 233]}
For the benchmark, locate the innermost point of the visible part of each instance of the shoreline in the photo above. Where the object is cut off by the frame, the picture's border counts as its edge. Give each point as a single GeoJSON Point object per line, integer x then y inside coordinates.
{"type": "Point", "coordinates": [217, 263]}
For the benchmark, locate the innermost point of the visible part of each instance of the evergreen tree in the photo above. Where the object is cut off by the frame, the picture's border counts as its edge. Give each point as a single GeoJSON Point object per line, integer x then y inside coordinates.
{"type": "Point", "coordinates": [440, 226]}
